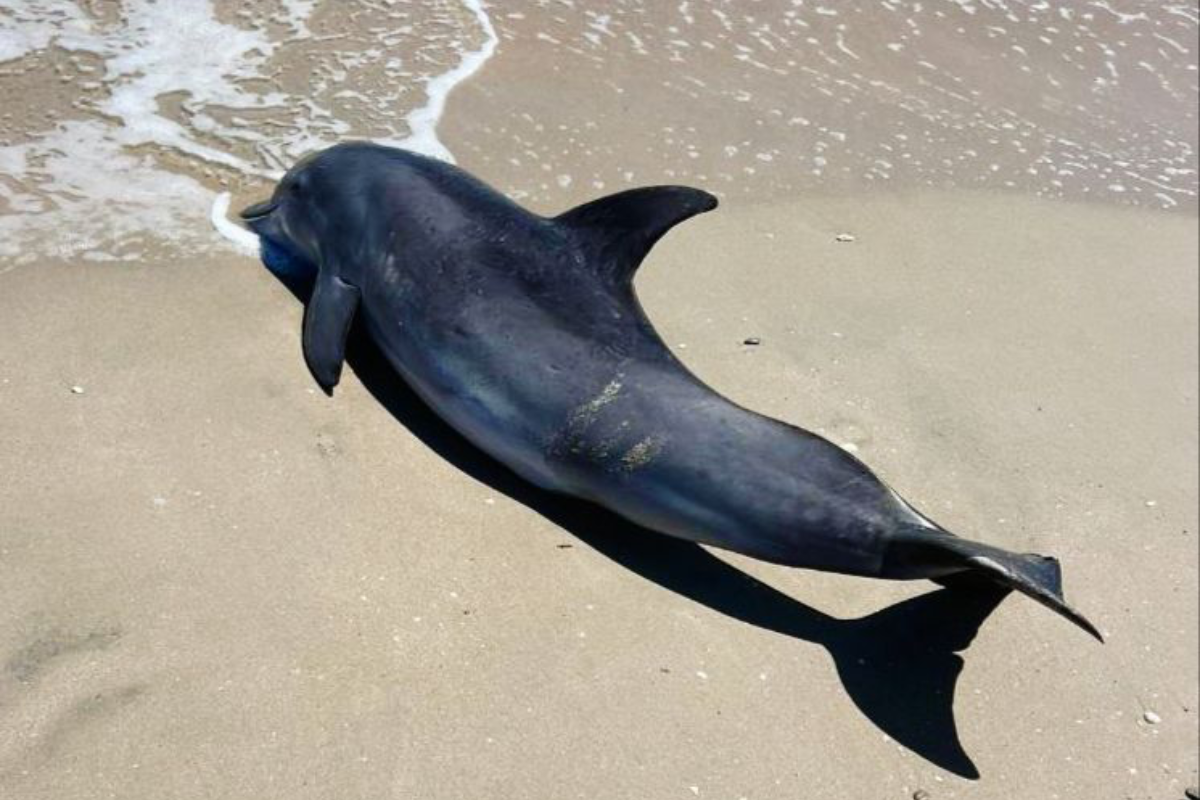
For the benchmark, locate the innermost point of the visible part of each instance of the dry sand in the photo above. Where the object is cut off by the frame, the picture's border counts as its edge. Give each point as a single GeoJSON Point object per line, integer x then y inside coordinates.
{"type": "Point", "coordinates": [215, 582]}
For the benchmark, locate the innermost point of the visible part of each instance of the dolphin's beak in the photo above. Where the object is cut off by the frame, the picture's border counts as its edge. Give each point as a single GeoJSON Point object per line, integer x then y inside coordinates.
{"type": "Point", "coordinates": [257, 211]}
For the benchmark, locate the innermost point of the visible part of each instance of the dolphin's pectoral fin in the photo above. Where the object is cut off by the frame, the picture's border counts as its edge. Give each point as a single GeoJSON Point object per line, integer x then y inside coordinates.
{"type": "Point", "coordinates": [617, 231]}
{"type": "Point", "coordinates": [327, 321]}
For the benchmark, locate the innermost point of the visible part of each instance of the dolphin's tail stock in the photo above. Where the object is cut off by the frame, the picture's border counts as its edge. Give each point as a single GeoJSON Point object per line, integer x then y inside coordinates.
{"type": "Point", "coordinates": [921, 552]}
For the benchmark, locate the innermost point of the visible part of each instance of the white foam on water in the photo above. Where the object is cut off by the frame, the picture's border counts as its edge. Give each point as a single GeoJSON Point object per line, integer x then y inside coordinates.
{"type": "Point", "coordinates": [296, 14]}
{"type": "Point", "coordinates": [242, 239]}
{"type": "Point", "coordinates": [89, 185]}
{"type": "Point", "coordinates": [91, 196]}
{"type": "Point", "coordinates": [423, 121]}
{"type": "Point", "coordinates": [180, 98]}
{"type": "Point", "coordinates": [29, 25]}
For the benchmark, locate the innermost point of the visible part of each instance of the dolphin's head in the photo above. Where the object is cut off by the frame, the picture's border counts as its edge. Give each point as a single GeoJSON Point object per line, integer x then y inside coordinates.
{"type": "Point", "coordinates": [318, 203]}
{"type": "Point", "coordinates": [289, 223]}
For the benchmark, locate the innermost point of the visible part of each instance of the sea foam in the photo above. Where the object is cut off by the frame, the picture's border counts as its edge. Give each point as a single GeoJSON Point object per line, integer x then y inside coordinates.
{"type": "Point", "coordinates": [188, 97]}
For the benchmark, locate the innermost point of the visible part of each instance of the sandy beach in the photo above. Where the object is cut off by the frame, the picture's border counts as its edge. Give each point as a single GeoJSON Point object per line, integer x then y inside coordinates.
{"type": "Point", "coordinates": [216, 582]}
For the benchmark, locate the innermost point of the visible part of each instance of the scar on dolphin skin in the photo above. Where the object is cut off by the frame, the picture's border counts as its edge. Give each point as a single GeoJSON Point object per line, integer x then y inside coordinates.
{"type": "Point", "coordinates": [345, 214]}
{"type": "Point", "coordinates": [642, 453]}
{"type": "Point", "coordinates": [570, 439]}
{"type": "Point", "coordinates": [584, 417]}
{"type": "Point", "coordinates": [587, 413]}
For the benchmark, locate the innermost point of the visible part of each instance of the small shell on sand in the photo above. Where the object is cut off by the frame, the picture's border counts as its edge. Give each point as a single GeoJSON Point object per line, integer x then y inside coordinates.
{"type": "Point", "coordinates": [844, 237]}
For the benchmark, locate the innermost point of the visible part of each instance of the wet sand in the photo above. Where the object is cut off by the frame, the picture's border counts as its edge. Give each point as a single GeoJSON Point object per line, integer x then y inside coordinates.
{"type": "Point", "coordinates": [215, 582]}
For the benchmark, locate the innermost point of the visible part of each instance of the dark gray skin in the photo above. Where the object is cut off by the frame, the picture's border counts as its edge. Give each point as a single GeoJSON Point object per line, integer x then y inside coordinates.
{"type": "Point", "coordinates": [524, 333]}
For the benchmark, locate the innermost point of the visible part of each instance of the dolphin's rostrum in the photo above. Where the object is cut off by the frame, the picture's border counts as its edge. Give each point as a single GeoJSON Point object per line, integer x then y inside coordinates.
{"type": "Point", "coordinates": [524, 333]}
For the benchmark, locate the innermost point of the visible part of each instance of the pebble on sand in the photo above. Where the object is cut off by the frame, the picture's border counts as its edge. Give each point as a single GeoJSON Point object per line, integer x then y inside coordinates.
{"type": "Point", "coordinates": [921, 794]}
{"type": "Point", "coordinates": [1152, 718]}
{"type": "Point", "coordinates": [76, 390]}
{"type": "Point", "coordinates": [753, 341]}
{"type": "Point", "coordinates": [844, 237]}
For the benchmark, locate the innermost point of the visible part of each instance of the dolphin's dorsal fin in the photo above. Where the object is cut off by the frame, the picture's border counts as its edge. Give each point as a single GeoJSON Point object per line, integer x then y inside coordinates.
{"type": "Point", "coordinates": [617, 231]}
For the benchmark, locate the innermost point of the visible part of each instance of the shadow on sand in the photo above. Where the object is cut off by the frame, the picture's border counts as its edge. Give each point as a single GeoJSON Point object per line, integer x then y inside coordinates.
{"type": "Point", "coordinates": [900, 665]}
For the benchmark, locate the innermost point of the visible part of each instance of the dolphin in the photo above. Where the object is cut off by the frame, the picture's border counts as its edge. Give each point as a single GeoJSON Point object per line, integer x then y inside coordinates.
{"type": "Point", "coordinates": [524, 333]}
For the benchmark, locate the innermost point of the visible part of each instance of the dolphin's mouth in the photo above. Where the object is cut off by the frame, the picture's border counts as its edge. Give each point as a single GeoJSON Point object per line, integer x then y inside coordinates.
{"type": "Point", "coordinates": [257, 211]}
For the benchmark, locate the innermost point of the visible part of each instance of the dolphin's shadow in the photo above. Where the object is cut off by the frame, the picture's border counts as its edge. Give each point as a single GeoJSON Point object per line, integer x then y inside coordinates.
{"type": "Point", "coordinates": [900, 665]}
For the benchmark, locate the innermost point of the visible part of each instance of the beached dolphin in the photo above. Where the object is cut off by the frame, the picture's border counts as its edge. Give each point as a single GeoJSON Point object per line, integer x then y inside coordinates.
{"type": "Point", "coordinates": [524, 334]}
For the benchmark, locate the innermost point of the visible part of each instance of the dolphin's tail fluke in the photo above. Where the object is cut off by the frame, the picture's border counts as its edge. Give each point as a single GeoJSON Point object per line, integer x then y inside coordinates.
{"type": "Point", "coordinates": [1039, 577]}
{"type": "Point", "coordinates": [953, 562]}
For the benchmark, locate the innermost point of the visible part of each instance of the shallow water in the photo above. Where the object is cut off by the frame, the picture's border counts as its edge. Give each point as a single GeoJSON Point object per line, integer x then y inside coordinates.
{"type": "Point", "coordinates": [123, 118]}
{"type": "Point", "coordinates": [121, 121]}
{"type": "Point", "coordinates": [777, 98]}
